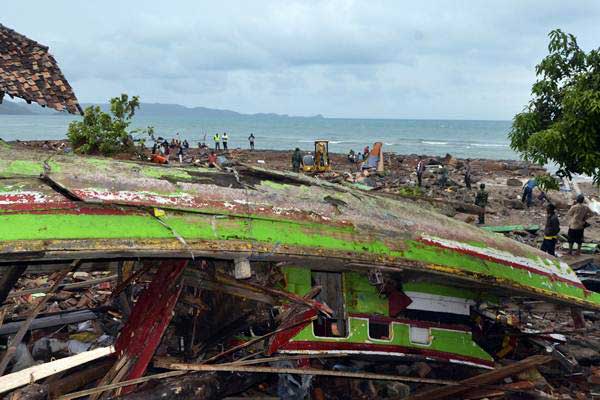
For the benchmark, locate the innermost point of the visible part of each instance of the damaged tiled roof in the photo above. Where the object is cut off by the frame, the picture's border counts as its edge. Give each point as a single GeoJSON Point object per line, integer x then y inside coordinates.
{"type": "Point", "coordinates": [29, 72]}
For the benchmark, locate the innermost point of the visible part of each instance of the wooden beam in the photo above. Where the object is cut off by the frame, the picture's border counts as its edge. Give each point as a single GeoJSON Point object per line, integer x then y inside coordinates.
{"type": "Point", "coordinates": [12, 346]}
{"type": "Point", "coordinates": [255, 340]}
{"type": "Point", "coordinates": [100, 389]}
{"type": "Point", "coordinates": [35, 373]}
{"type": "Point", "coordinates": [232, 367]}
{"type": "Point", "coordinates": [482, 379]}
{"type": "Point", "coordinates": [77, 379]}
{"type": "Point", "coordinates": [63, 318]}
{"type": "Point", "coordinates": [10, 276]}
{"type": "Point", "coordinates": [324, 308]}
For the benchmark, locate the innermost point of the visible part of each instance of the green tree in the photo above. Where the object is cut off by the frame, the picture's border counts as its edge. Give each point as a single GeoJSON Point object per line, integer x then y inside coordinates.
{"type": "Point", "coordinates": [562, 121]}
{"type": "Point", "coordinates": [104, 133]}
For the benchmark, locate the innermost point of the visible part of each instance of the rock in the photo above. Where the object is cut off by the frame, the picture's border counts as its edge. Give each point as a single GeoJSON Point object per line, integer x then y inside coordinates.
{"type": "Point", "coordinates": [514, 204]}
{"type": "Point", "coordinates": [468, 218]}
{"type": "Point", "coordinates": [514, 182]}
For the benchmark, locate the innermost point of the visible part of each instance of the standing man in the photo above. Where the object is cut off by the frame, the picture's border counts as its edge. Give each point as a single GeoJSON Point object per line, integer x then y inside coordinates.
{"type": "Point", "coordinates": [217, 140]}
{"type": "Point", "coordinates": [528, 192]}
{"type": "Point", "coordinates": [366, 152]}
{"type": "Point", "coordinates": [225, 139]}
{"type": "Point", "coordinates": [551, 230]}
{"type": "Point", "coordinates": [420, 171]}
{"type": "Point", "coordinates": [468, 174]}
{"type": "Point", "coordinates": [578, 216]}
{"type": "Point", "coordinates": [481, 200]}
{"type": "Point", "coordinates": [296, 160]}
{"type": "Point", "coordinates": [251, 140]}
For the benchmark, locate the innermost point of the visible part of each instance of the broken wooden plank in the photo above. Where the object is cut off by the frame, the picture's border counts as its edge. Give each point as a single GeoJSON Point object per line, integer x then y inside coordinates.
{"type": "Point", "coordinates": [482, 379]}
{"type": "Point", "coordinates": [77, 379]}
{"type": "Point", "coordinates": [256, 340]}
{"type": "Point", "coordinates": [66, 318]}
{"type": "Point", "coordinates": [149, 318]}
{"type": "Point", "coordinates": [101, 389]}
{"type": "Point", "coordinates": [35, 373]}
{"type": "Point", "coordinates": [232, 367]}
{"type": "Point", "coordinates": [66, 286]}
{"type": "Point", "coordinates": [324, 308]}
{"type": "Point", "coordinates": [12, 346]}
{"type": "Point", "coordinates": [10, 276]}
{"type": "Point", "coordinates": [196, 280]}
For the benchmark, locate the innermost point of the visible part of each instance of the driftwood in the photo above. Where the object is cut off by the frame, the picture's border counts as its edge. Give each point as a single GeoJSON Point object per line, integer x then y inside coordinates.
{"type": "Point", "coordinates": [35, 373]}
{"type": "Point", "coordinates": [12, 346]}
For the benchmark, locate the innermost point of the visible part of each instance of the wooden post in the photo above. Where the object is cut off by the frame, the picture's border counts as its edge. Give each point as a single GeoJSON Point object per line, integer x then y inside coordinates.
{"type": "Point", "coordinates": [148, 321]}
{"type": "Point", "coordinates": [10, 276]}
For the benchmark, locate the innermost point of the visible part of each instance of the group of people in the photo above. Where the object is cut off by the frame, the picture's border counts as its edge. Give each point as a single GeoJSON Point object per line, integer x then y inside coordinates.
{"type": "Point", "coordinates": [224, 140]}
{"type": "Point", "coordinates": [163, 149]}
{"type": "Point", "coordinates": [359, 157]}
{"type": "Point", "coordinates": [578, 217]}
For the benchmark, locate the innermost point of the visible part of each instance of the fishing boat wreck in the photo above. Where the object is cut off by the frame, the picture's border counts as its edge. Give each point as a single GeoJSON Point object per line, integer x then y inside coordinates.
{"type": "Point", "coordinates": [285, 264]}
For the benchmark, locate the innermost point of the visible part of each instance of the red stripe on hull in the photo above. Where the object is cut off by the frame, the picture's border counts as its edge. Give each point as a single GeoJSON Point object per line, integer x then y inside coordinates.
{"type": "Point", "coordinates": [365, 347]}
{"type": "Point", "coordinates": [503, 262]}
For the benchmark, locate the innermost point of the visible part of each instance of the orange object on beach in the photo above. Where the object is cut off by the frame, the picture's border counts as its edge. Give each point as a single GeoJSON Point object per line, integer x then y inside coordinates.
{"type": "Point", "coordinates": [157, 158]}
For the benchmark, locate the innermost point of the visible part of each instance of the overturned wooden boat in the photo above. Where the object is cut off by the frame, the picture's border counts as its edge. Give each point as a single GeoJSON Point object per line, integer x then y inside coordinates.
{"type": "Point", "coordinates": [60, 208]}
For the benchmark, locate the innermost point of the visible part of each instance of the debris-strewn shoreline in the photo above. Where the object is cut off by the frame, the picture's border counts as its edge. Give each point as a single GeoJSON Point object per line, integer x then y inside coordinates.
{"type": "Point", "coordinates": [300, 294]}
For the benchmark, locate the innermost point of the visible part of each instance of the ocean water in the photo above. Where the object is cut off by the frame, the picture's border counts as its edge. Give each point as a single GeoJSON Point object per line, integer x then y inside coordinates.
{"type": "Point", "coordinates": [469, 139]}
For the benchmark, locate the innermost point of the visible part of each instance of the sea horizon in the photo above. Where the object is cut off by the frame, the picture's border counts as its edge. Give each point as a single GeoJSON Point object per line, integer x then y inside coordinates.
{"type": "Point", "coordinates": [436, 137]}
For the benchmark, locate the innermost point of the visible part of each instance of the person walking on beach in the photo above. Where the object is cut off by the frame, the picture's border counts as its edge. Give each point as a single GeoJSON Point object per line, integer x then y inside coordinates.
{"type": "Point", "coordinates": [420, 170]}
{"type": "Point", "coordinates": [217, 140]}
{"type": "Point", "coordinates": [468, 174]}
{"type": "Point", "coordinates": [180, 154]}
{"type": "Point", "coordinates": [578, 215]}
{"type": "Point", "coordinates": [225, 139]}
{"type": "Point", "coordinates": [551, 230]}
{"type": "Point", "coordinates": [481, 201]}
{"type": "Point", "coordinates": [296, 160]}
{"type": "Point", "coordinates": [527, 196]}
{"type": "Point", "coordinates": [251, 140]}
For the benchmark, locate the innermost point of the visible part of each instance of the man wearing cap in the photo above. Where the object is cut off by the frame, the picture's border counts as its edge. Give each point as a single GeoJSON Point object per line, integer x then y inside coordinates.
{"type": "Point", "coordinates": [551, 230]}
{"type": "Point", "coordinates": [578, 216]}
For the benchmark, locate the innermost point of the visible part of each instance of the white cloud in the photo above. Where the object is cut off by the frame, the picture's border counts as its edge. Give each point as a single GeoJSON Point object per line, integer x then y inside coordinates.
{"type": "Point", "coordinates": [430, 59]}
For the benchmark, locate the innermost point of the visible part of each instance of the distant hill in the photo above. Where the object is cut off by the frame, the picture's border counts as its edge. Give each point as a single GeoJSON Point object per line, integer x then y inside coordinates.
{"type": "Point", "coordinates": [10, 108]}
{"type": "Point", "coordinates": [146, 109]}
{"type": "Point", "coordinates": [177, 110]}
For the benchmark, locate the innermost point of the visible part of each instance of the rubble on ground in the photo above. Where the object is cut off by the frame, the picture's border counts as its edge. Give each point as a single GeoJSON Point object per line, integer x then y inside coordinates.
{"type": "Point", "coordinates": [217, 327]}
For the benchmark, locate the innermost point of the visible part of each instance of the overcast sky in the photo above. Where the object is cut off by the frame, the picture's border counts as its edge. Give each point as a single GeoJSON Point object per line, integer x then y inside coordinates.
{"type": "Point", "coordinates": [373, 59]}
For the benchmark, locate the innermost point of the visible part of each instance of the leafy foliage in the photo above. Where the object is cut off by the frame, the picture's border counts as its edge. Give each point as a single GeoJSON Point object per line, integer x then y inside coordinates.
{"type": "Point", "coordinates": [562, 121]}
{"type": "Point", "coordinates": [547, 182]}
{"type": "Point", "coordinates": [104, 133]}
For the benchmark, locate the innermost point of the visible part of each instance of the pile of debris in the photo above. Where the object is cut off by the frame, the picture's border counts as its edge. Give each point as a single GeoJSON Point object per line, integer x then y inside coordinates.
{"type": "Point", "coordinates": [191, 329]}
